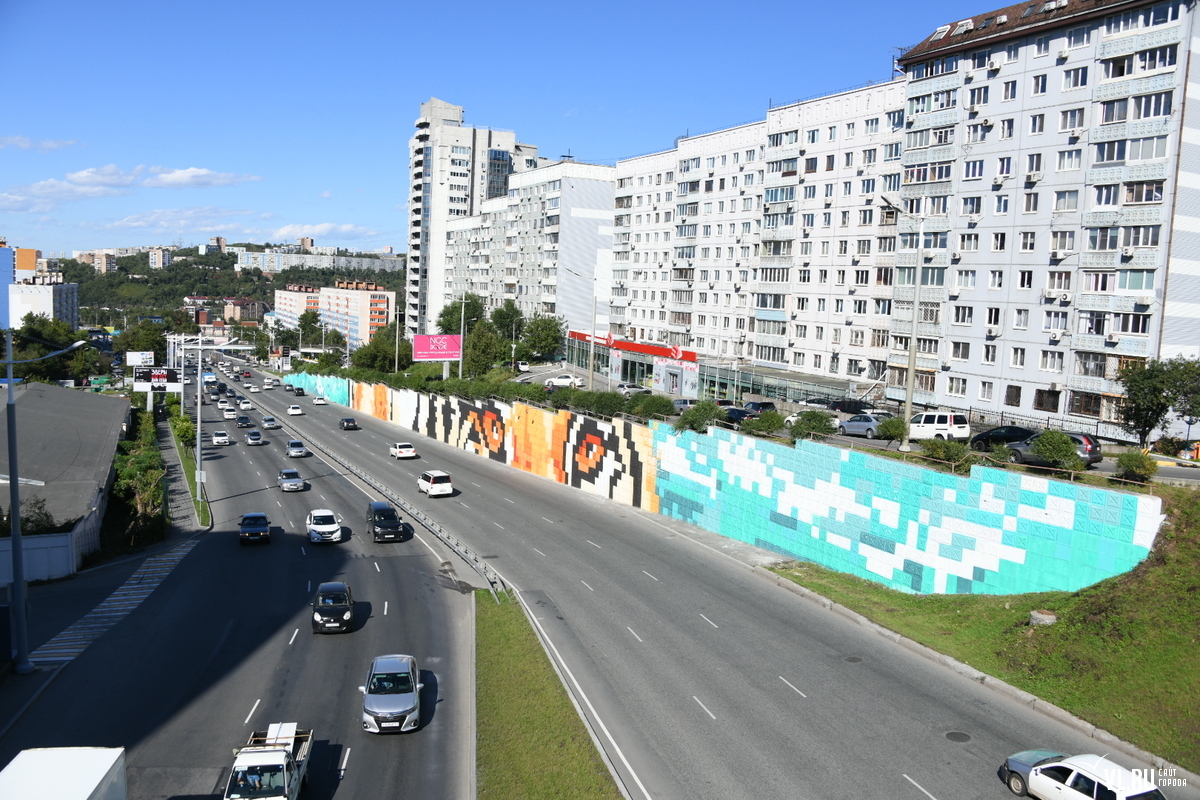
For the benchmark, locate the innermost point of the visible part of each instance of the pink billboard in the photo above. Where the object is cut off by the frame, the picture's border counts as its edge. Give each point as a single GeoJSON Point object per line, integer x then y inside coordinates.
{"type": "Point", "coordinates": [437, 348]}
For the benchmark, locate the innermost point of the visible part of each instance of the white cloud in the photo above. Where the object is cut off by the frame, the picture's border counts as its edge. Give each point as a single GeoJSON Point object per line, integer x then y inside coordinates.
{"type": "Point", "coordinates": [326, 194]}
{"type": "Point", "coordinates": [25, 143]}
{"type": "Point", "coordinates": [323, 230]}
{"type": "Point", "coordinates": [111, 175]}
{"type": "Point", "coordinates": [194, 177]}
{"type": "Point", "coordinates": [197, 218]}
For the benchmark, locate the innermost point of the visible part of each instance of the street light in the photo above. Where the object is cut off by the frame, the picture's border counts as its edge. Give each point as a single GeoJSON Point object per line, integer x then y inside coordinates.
{"type": "Point", "coordinates": [910, 380]}
{"type": "Point", "coordinates": [21, 665]}
{"type": "Point", "coordinates": [592, 332]}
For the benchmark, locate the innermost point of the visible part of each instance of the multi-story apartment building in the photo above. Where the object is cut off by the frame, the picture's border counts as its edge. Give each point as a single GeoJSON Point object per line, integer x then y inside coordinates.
{"type": "Point", "coordinates": [159, 257]}
{"type": "Point", "coordinates": [277, 261]}
{"type": "Point", "coordinates": [546, 245]}
{"type": "Point", "coordinates": [356, 308]}
{"type": "Point", "coordinates": [453, 169]}
{"type": "Point", "coordinates": [47, 297]}
{"type": "Point", "coordinates": [293, 301]}
{"type": "Point", "coordinates": [1046, 172]}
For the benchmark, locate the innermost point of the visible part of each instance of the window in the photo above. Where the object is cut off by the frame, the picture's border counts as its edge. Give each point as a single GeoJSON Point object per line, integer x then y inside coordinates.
{"type": "Point", "coordinates": [871, 126]}
{"type": "Point", "coordinates": [1021, 318]}
{"type": "Point", "coordinates": [868, 157]}
{"type": "Point", "coordinates": [989, 354]}
{"type": "Point", "coordinates": [1037, 123]}
{"type": "Point", "coordinates": [985, 390]}
{"type": "Point", "coordinates": [1031, 204]}
{"type": "Point", "coordinates": [996, 280]}
{"type": "Point", "coordinates": [1090, 365]}
{"type": "Point", "coordinates": [1010, 90]}
{"type": "Point", "coordinates": [1114, 111]}
{"type": "Point", "coordinates": [895, 119]}
{"type": "Point", "coordinates": [1028, 241]}
{"type": "Point", "coordinates": [1012, 52]}
{"type": "Point", "coordinates": [1001, 205]}
{"type": "Point", "coordinates": [998, 242]}
{"type": "Point", "coordinates": [891, 152]}
{"type": "Point", "coordinates": [1085, 403]}
{"type": "Point", "coordinates": [1118, 67]}
{"type": "Point", "coordinates": [1078, 37]}
{"type": "Point", "coordinates": [1054, 321]}
{"type": "Point", "coordinates": [1069, 160]}
{"type": "Point", "coordinates": [973, 169]}
{"type": "Point", "coordinates": [978, 96]}
{"type": "Point", "coordinates": [976, 133]}
{"type": "Point", "coordinates": [1067, 200]}
{"type": "Point", "coordinates": [1158, 58]}
{"type": "Point", "coordinates": [1025, 279]}
{"type": "Point", "coordinates": [960, 351]}
{"type": "Point", "coordinates": [1135, 279]}
{"type": "Point", "coordinates": [965, 279]}
{"type": "Point", "coordinates": [972, 205]}
{"type": "Point", "coordinates": [1140, 235]}
{"type": "Point", "coordinates": [1062, 241]}
{"type": "Point", "coordinates": [1107, 195]}
{"type": "Point", "coordinates": [1018, 357]}
{"type": "Point", "coordinates": [1075, 78]}
{"type": "Point", "coordinates": [1059, 281]}
{"type": "Point", "coordinates": [1041, 46]}
{"type": "Point", "coordinates": [1006, 129]}
{"type": "Point", "coordinates": [968, 243]}
{"type": "Point", "coordinates": [957, 387]}
{"type": "Point", "coordinates": [1147, 148]}
{"type": "Point", "coordinates": [1099, 281]}
{"type": "Point", "coordinates": [1152, 105]}
{"type": "Point", "coordinates": [1051, 361]}
{"type": "Point", "coordinates": [964, 315]}
{"type": "Point", "coordinates": [1039, 84]}
{"type": "Point", "coordinates": [1070, 119]}
{"type": "Point", "coordinates": [1004, 165]}
{"type": "Point", "coordinates": [1033, 162]}
{"type": "Point", "coordinates": [1109, 152]}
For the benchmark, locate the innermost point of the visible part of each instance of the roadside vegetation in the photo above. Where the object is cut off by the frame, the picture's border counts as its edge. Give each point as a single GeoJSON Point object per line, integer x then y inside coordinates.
{"type": "Point", "coordinates": [530, 742]}
{"type": "Point", "coordinates": [184, 431]}
{"type": "Point", "coordinates": [135, 517]}
{"type": "Point", "coordinates": [1124, 654]}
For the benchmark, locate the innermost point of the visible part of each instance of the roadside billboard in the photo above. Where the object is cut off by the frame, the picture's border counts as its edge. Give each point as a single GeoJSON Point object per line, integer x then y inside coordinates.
{"type": "Point", "coordinates": [156, 379]}
{"type": "Point", "coordinates": [139, 358]}
{"type": "Point", "coordinates": [437, 348]}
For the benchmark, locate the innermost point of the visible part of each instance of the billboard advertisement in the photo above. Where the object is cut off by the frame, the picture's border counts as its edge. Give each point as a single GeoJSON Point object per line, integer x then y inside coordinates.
{"type": "Point", "coordinates": [156, 379]}
{"type": "Point", "coordinates": [437, 348]}
{"type": "Point", "coordinates": [139, 358]}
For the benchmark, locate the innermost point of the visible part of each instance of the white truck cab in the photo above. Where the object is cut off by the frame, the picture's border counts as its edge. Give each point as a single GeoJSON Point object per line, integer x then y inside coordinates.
{"type": "Point", "coordinates": [272, 764]}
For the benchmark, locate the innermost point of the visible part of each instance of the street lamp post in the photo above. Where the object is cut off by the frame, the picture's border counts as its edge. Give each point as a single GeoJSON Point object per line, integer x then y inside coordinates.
{"type": "Point", "coordinates": [20, 630]}
{"type": "Point", "coordinates": [910, 380]}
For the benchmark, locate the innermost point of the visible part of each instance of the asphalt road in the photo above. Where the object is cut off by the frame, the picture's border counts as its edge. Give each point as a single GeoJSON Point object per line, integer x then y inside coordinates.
{"type": "Point", "coordinates": [224, 647]}
{"type": "Point", "coordinates": [701, 680]}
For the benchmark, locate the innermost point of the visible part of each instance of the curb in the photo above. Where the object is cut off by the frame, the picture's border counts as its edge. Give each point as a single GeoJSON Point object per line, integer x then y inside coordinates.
{"type": "Point", "coordinates": [994, 684]}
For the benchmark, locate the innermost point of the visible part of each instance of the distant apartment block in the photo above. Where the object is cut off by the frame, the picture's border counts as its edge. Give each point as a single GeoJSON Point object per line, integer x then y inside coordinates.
{"type": "Point", "coordinates": [279, 261]}
{"type": "Point", "coordinates": [293, 301]}
{"type": "Point", "coordinates": [52, 300]}
{"type": "Point", "coordinates": [240, 309]}
{"type": "Point", "coordinates": [358, 309]}
{"type": "Point", "coordinates": [159, 257]}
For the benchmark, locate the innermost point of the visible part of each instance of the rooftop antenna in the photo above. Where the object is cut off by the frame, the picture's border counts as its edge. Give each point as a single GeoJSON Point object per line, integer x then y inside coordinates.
{"type": "Point", "coordinates": [568, 156]}
{"type": "Point", "coordinates": [899, 51]}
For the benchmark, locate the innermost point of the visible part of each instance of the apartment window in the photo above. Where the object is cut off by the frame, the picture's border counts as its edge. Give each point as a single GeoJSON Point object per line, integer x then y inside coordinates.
{"type": "Point", "coordinates": [965, 279]}
{"type": "Point", "coordinates": [1012, 52]}
{"type": "Point", "coordinates": [1031, 204]}
{"type": "Point", "coordinates": [832, 133]}
{"type": "Point", "coordinates": [1114, 111]}
{"type": "Point", "coordinates": [891, 152]}
{"type": "Point", "coordinates": [996, 279]}
{"type": "Point", "coordinates": [1001, 205]}
{"type": "Point", "coordinates": [1118, 67]}
{"type": "Point", "coordinates": [985, 390]}
{"type": "Point", "coordinates": [1152, 105]}
{"type": "Point", "coordinates": [883, 307]}
{"type": "Point", "coordinates": [1041, 46]}
{"type": "Point", "coordinates": [1063, 241]}
{"type": "Point", "coordinates": [1140, 235]}
{"type": "Point", "coordinates": [998, 242]}
{"type": "Point", "coordinates": [1070, 119]}
{"type": "Point", "coordinates": [973, 169]}
{"type": "Point", "coordinates": [1039, 84]}
{"type": "Point", "coordinates": [1131, 323]}
{"type": "Point", "coordinates": [1037, 123]}
{"type": "Point", "coordinates": [957, 387]}
{"type": "Point", "coordinates": [1025, 279]}
{"type": "Point", "coordinates": [1018, 357]}
{"type": "Point", "coordinates": [1068, 200]}
{"type": "Point", "coordinates": [968, 242]}
{"type": "Point", "coordinates": [1147, 148]}
{"type": "Point", "coordinates": [964, 315]}
{"type": "Point", "coordinates": [895, 119]}
{"type": "Point", "coordinates": [978, 96]}
{"type": "Point", "coordinates": [1075, 78]}
{"type": "Point", "coordinates": [868, 157]}
{"type": "Point", "coordinates": [976, 133]}
{"type": "Point", "coordinates": [1028, 241]}
{"type": "Point", "coordinates": [1004, 165]}
{"type": "Point", "coordinates": [1107, 195]}
{"type": "Point", "coordinates": [1070, 160]}
{"type": "Point", "coordinates": [848, 159]}
{"type": "Point", "coordinates": [866, 216]}
{"type": "Point", "coordinates": [1010, 90]}
{"type": "Point", "coordinates": [830, 162]}
{"type": "Point", "coordinates": [871, 126]}
{"type": "Point", "coordinates": [1059, 281]}
{"type": "Point", "coordinates": [1110, 152]}
{"type": "Point", "coordinates": [972, 205]}
{"type": "Point", "coordinates": [1006, 129]}
{"type": "Point", "coordinates": [1033, 162]}
{"type": "Point", "coordinates": [1012, 395]}
{"type": "Point", "coordinates": [989, 354]}
{"type": "Point", "coordinates": [960, 351]}
{"type": "Point", "coordinates": [1099, 281]}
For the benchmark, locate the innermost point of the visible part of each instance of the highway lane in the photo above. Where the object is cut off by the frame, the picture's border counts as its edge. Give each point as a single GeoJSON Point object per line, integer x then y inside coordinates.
{"type": "Point", "coordinates": [224, 646]}
{"type": "Point", "coordinates": [713, 683]}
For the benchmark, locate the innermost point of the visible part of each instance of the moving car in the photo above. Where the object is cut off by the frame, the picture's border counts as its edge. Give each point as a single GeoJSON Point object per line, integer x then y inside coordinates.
{"type": "Point", "coordinates": [254, 437]}
{"type": "Point", "coordinates": [254, 390]}
{"type": "Point", "coordinates": [287, 387]}
{"type": "Point", "coordinates": [333, 608]}
{"type": "Point", "coordinates": [348, 424]}
{"type": "Point", "coordinates": [319, 401]}
{"type": "Point", "coordinates": [290, 481]}
{"type": "Point", "coordinates": [298, 391]}
{"type": "Point", "coordinates": [522, 366]}
{"type": "Point", "coordinates": [270, 424]}
{"type": "Point", "coordinates": [222, 404]}
{"type": "Point", "coordinates": [296, 449]}
{"type": "Point", "coordinates": [243, 421]}
{"type": "Point", "coordinates": [294, 411]}
{"type": "Point", "coordinates": [229, 413]}
{"type": "Point", "coordinates": [254, 527]}
{"type": "Point", "coordinates": [862, 425]}
{"type": "Point", "coordinates": [435, 483]}
{"type": "Point", "coordinates": [220, 437]}
{"type": "Point", "coordinates": [565, 381]}
{"type": "Point", "coordinates": [391, 695]}
{"type": "Point", "coordinates": [323, 526]}
{"type": "Point", "coordinates": [1049, 775]}
{"type": "Point", "coordinates": [383, 522]}
{"type": "Point", "coordinates": [402, 450]}
{"type": "Point", "coordinates": [246, 405]}
{"type": "Point", "coordinates": [1087, 447]}
{"type": "Point", "coordinates": [1002, 435]}
{"type": "Point", "coordinates": [629, 389]}
{"type": "Point", "coordinates": [939, 425]}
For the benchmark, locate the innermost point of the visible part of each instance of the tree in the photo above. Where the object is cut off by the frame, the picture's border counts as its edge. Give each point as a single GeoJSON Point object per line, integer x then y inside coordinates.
{"type": "Point", "coordinates": [309, 324]}
{"type": "Point", "coordinates": [545, 335]}
{"type": "Point", "coordinates": [452, 315]}
{"type": "Point", "coordinates": [1150, 389]}
{"type": "Point", "coordinates": [811, 422]}
{"type": "Point", "coordinates": [142, 337]}
{"type": "Point", "coordinates": [700, 417]}
{"type": "Point", "coordinates": [334, 339]}
{"type": "Point", "coordinates": [1058, 450]}
{"type": "Point", "coordinates": [509, 321]}
{"type": "Point", "coordinates": [482, 349]}
{"type": "Point", "coordinates": [380, 353]}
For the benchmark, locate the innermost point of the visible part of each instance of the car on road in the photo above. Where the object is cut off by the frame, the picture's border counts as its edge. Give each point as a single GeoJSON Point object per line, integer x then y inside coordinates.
{"type": "Point", "coordinates": [220, 438]}
{"type": "Point", "coordinates": [229, 413]}
{"type": "Point", "coordinates": [187, 381]}
{"type": "Point", "coordinates": [1087, 447]}
{"type": "Point", "coordinates": [255, 437]}
{"type": "Point", "coordinates": [435, 483]}
{"type": "Point", "coordinates": [1050, 775]}
{"type": "Point", "coordinates": [298, 391]}
{"type": "Point", "coordinates": [254, 527]}
{"type": "Point", "coordinates": [320, 401]}
{"type": "Point", "coordinates": [246, 405]}
{"type": "Point", "coordinates": [254, 390]}
{"type": "Point", "coordinates": [757, 407]}
{"type": "Point", "coordinates": [296, 449]}
{"type": "Point", "coordinates": [323, 526]}
{"type": "Point", "coordinates": [402, 450]}
{"type": "Point", "coordinates": [290, 481]}
{"type": "Point", "coordinates": [247, 385]}
{"type": "Point", "coordinates": [270, 424]}
{"type": "Point", "coordinates": [243, 421]}
{"type": "Point", "coordinates": [565, 381]}
{"type": "Point", "coordinates": [222, 404]}
{"type": "Point", "coordinates": [392, 695]}
{"type": "Point", "coordinates": [333, 608]}
{"type": "Point", "coordinates": [939, 425]}
{"type": "Point", "coordinates": [213, 397]}
{"type": "Point", "coordinates": [1005, 434]}
{"type": "Point", "coordinates": [268, 385]}
{"type": "Point", "coordinates": [348, 424]}
{"type": "Point", "coordinates": [383, 522]}
{"type": "Point", "coordinates": [294, 411]}
{"type": "Point", "coordinates": [862, 425]}
{"type": "Point", "coordinates": [522, 366]}
{"type": "Point", "coordinates": [287, 387]}
{"type": "Point", "coordinates": [630, 389]}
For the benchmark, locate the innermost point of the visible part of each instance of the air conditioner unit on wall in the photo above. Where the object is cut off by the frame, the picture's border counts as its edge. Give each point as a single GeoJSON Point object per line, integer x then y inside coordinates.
{"type": "Point", "coordinates": [993, 332]}
{"type": "Point", "coordinates": [1063, 55]}
{"type": "Point", "coordinates": [1056, 336]}
{"type": "Point", "coordinates": [1033, 177]}
{"type": "Point", "coordinates": [1065, 297]}
{"type": "Point", "coordinates": [1112, 338]}
{"type": "Point", "coordinates": [993, 66]}
{"type": "Point", "coordinates": [1127, 252]}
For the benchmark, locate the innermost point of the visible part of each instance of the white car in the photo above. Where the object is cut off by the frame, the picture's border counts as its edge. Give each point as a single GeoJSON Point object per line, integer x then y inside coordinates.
{"type": "Point", "coordinates": [294, 411]}
{"type": "Point", "coordinates": [187, 380]}
{"type": "Point", "coordinates": [522, 366]}
{"type": "Point", "coordinates": [319, 401]}
{"type": "Point", "coordinates": [435, 483]}
{"type": "Point", "coordinates": [247, 385]}
{"type": "Point", "coordinates": [220, 437]}
{"type": "Point", "coordinates": [270, 424]}
{"type": "Point", "coordinates": [565, 381]}
{"type": "Point", "coordinates": [402, 450]}
{"type": "Point", "coordinates": [323, 526]}
{"type": "Point", "coordinates": [229, 413]}
{"type": "Point", "coordinates": [247, 405]}
{"type": "Point", "coordinates": [254, 390]}
{"type": "Point", "coordinates": [222, 404]}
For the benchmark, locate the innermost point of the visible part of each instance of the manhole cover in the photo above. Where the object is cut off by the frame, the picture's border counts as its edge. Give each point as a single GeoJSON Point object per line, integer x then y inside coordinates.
{"type": "Point", "coordinates": [958, 736]}
{"type": "Point", "coordinates": [853, 659]}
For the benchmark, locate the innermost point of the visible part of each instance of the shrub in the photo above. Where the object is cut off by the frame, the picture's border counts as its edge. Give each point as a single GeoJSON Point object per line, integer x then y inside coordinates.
{"type": "Point", "coordinates": [648, 405]}
{"type": "Point", "coordinates": [810, 422]}
{"type": "Point", "coordinates": [766, 424]}
{"type": "Point", "coordinates": [1169, 445]}
{"type": "Point", "coordinates": [700, 417]}
{"type": "Point", "coordinates": [999, 454]}
{"type": "Point", "coordinates": [1136, 466]}
{"type": "Point", "coordinates": [892, 429]}
{"type": "Point", "coordinates": [603, 404]}
{"type": "Point", "coordinates": [958, 454]}
{"type": "Point", "coordinates": [185, 429]}
{"type": "Point", "coordinates": [1058, 450]}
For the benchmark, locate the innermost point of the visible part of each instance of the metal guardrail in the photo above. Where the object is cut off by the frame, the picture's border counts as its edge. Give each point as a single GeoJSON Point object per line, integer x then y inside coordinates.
{"type": "Point", "coordinates": [495, 582]}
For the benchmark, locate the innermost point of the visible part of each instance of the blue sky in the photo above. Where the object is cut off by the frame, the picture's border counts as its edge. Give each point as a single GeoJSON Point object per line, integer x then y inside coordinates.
{"type": "Point", "coordinates": [135, 123]}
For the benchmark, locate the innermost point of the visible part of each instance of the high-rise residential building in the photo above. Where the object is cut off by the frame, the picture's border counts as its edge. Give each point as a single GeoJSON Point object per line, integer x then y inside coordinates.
{"type": "Point", "coordinates": [1047, 167]}
{"type": "Point", "coordinates": [218, 242]}
{"type": "Point", "coordinates": [104, 263]}
{"type": "Point", "coordinates": [293, 301]}
{"type": "Point", "coordinates": [305, 243]}
{"type": "Point", "coordinates": [546, 245]}
{"type": "Point", "coordinates": [47, 298]}
{"type": "Point", "coordinates": [356, 308]}
{"type": "Point", "coordinates": [453, 169]}
{"type": "Point", "coordinates": [159, 257]}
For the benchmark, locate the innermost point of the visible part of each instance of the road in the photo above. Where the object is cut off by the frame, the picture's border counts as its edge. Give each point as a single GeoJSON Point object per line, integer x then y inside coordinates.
{"type": "Point", "coordinates": [700, 679]}
{"type": "Point", "coordinates": [224, 646]}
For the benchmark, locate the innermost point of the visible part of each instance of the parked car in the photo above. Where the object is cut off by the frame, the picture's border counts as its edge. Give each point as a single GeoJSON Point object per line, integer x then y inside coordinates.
{"type": "Point", "coordinates": [1005, 434]}
{"type": "Point", "coordinates": [1087, 447]}
{"type": "Point", "coordinates": [794, 417]}
{"type": "Point", "coordinates": [348, 424]}
{"type": "Point", "coordinates": [739, 415]}
{"type": "Point", "coordinates": [757, 407]}
{"type": "Point", "coordinates": [294, 411]}
{"type": "Point", "coordinates": [254, 527]}
{"type": "Point", "coordinates": [402, 450]}
{"type": "Point", "coordinates": [1049, 775]}
{"type": "Point", "coordinates": [939, 425]}
{"type": "Point", "coordinates": [683, 404]}
{"type": "Point", "coordinates": [630, 389]}
{"type": "Point", "coordinates": [319, 401]}
{"type": "Point", "coordinates": [862, 425]}
{"type": "Point", "coordinates": [816, 402]}
{"type": "Point", "coordinates": [290, 481]}
{"type": "Point", "coordinates": [323, 526]}
{"type": "Point", "coordinates": [220, 438]}
{"type": "Point", "coordinates": [435, 483]}
{"type": "Point", "coordinates": [270, 424]}
{"type": "Point", "coordinates": [296, 449]}
{"type": "Point", "coordinates": [851, 405]}
{"type": "Point", "coordinates": [391, 695]}
{"type": "Point", "coordinates": [724, 403]}
{"type": "Point", "coordinates": [255, 437]}
{"type": "Point", "coordinates": [333, 608]}
{"type": "Point", "coordinates": [565, 381]}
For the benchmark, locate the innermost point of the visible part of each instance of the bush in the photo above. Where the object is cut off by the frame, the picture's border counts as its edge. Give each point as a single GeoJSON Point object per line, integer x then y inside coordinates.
{"type": "Point", "coordinates": [1169, 445]}
{"type": "Point", "coordinates": [958, 454]}
{"type": "Point", "coordinates": [185, 430]}
{"type": "Point", "coordinates": [999, 454]}
{"type": "Point", "coordinates": [649, 405]}
{"type": "Point", "coordinates": [766, 424]}
{"type": "Point", "coordinates": [1136, 466]}
{"type": "Point", "coordinates": [892, 429]}
{"type": "Point", "coordinates": [601, 404]}
{"type": "Point", "coordinates": [1057, 449]}
{"type": "Point", "coordinates": [812, 422]}
{"type": "Point", "coordinates": [700, 417]}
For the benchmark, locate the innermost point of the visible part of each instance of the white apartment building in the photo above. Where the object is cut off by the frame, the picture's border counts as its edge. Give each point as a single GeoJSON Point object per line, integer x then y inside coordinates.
{"type": "Point", "coordinates": [357, 309]}
{"type": "Point", "coordinates": [1046, 161]}
{"type": "Point", "coordinates": [159, 257]}
{"type": "Point", "coordinates": [453, 169]}
{"type": "Point", "coordinates": [546, 245]}
{"type": "Point", "coordinates": [275, 261]}
{"type": "Point", "coordinates": [293, 301]}
{"type": "Point", "coordinates": [52, 300]}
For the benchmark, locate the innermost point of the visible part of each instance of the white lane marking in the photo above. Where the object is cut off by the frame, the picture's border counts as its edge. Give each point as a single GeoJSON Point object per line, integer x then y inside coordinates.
{"type": "Point", "coordinates": [539, 552]}
{"type": "Point", "coordinates": [473, 483]}
{"type": "Point", "coordinates": [634, 634]}
{"type": "Point", "coordinates": [417, 536]}
{"type": "Point", "coordinates": [345, 759]}
{"type": "Point", "coordinates": [710, 622]}
{"type": "Point", "coordinates": [549, 520]}
{"type": "Point", "coordinates": [464, 505]}
{"type": "Point", "coordinates": [376, 563]}
{"type": "Point", "coordinates": [794, 689]}
{"type": "Point", "coordinates": [279, 503]}
{"type": "Point", "coordinates": [706, 711]}
{"type": "Point", "coordinates": [593, 544]}
{"type": "Point", "coordinates": [498, 525]}
{"type": "Point", "coordinates": [251, 714]}
{"type": "Point", "coordinates": [647, 573]}
{"type": "Point", "coordinates": [293, 635]}
{"type": "Point", "coordinates": [585, 583]}
{"type": "Point", "coordinates": [508, 501]}
{"type": "Point", "coordinates": [385, 602]}
{"type": "Point", "coordinates": [309, 584]}
{"type": "Point", "coordinates": [919, 786]}
{"type": "Point", "coordinates": [302, 552]}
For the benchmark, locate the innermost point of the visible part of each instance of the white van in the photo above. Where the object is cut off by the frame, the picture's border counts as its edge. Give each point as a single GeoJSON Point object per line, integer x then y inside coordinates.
{"type": "Point", "coordinates": [435, 483]}
{"type": "Point", "coordinates": [939, 425]}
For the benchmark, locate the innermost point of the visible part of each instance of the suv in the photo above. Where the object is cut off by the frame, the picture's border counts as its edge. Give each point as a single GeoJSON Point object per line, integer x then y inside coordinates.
{"type": "Point", "coordinates": [254, 527]}
{"type": "Point", "coordinates": [348, 424]}
{"type": "Point", "coordinates": [757, 407]}
{"type": "Point", "coordinates": [939, 425]}
{"type": "Point", "coordinates": [298, 391]}
{"type": "Point", "coordinates": [323, 526]}
{"type": "Point", "coordinates": [1087, 447]}
{"type": "Point", "coordinates": [383, 523]}
{"type": "Point", "coordinates": [435, 483]}
{"type": "Point", "coordinates": [333, 608]}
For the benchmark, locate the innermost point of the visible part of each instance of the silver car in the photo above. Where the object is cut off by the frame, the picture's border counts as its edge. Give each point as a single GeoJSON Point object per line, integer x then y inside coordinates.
{"type": "Point", "coordinates": [392, 695]}
{"type": "Point", "coordinates": [862, 425]}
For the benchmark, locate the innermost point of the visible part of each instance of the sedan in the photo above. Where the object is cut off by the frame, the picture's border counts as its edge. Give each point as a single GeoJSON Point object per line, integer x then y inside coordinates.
{"type": "Point", "coordinates": [323, 526]}
{"type": "Point", "coordinates": [392, 695]}
{"type": "Point", "coordinates": [402, 450]}
{"type": "Point", "coordinates": [296, 449]}
{"type": "Point", "coordinates": [229, 413]}
{"type": "Point", "coordinates": [246, 405]}
{"type": "Point", "coordinates": [270, 424]}
{"type": "Point", "coordinates": [254, 390]}
{"type": "Point", "coordinates": [319, 401]}
{"type": "Point", "coordinates": [738, 415]}
{"type": "Point", "coordinates": [348, 424]}
{"type": "Point", "coordinates": [247, 385]}
{"type": "Point", "coordinates": [862, 425]}
{"type": "Point", "coordinates": [816, 402]}
{"type": "Point", "coordinates": [290, 481]}
{"type": "Point", "coordinates": [244, 422]}
{"type": "Point", "coordinates": [629, 389]}
{"type": "Point", "coordinates": [1005, 434]}
{"type": "Point", "coordinates": [220, 438]}
{"type": "Point", "coordinates": [294, 411]}
{"type": "Point", "coordinates": [254, 437]}
{"type": "Point", "coordinates": [564, 381]}
{"type": "Point", "coordinates": [222, 404]}
{"type": "Point", "coordinates": [254, 527]}
{"type": "Point", "coordinates": [1086, 447]}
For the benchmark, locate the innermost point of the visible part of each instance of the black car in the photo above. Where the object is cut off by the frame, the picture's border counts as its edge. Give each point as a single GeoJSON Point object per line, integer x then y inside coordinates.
{"type": "Point", "coordinates": [1005, 434]}
{"type": "Point", "coordinates": [756, 407]}
{"type": "Point", "coordinates": [244, 422]}
{"type": "Point", "coordinates": [230, 393]}
{"type": "Point", "coordinates": [254, 527]}
{"type": "Point", "coordinates": [348, 424]}
{"type": "Point", "coordinates": [739, 415]}
{"type": "Point", "coordinates": [333, 608]}
{"type": "Point", "coordinates": [383, 522]}
{"type": "Point", "coordinates": [298, 391]}
{"type": "Point", "coordinates": [850, 405]}
{"type": "Point", "coordinates": [221, 387]}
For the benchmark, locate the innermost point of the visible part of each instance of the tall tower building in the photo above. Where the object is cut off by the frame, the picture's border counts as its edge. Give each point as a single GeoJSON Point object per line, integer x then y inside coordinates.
{"type": "Point", "coordinates": [453, 168]}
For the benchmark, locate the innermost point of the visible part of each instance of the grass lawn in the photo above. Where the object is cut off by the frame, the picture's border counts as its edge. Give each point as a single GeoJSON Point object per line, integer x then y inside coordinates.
{"type": "Point", "coordinates": [530, 741]}
{"type": "Point", "coordinates": [1124, 654]}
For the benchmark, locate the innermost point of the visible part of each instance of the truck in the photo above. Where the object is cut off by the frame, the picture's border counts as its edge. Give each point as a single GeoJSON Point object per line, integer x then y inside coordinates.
{"type": "Point", "coordinates": [66, 773]}
{"type": "Point", "coordinates": [272, 763]}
